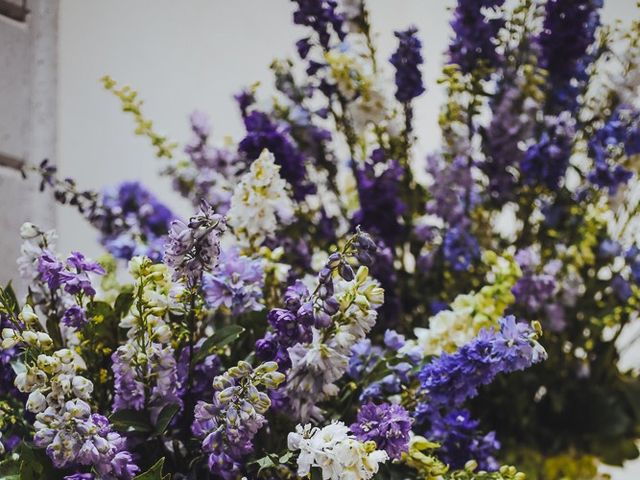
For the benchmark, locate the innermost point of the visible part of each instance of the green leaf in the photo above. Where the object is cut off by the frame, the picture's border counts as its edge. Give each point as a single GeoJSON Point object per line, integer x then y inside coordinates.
{"type": "Point", "coordinates": [264, 463]}
{"type": "Point", "coordinates": [165, 417]}
{"type": "Point", "coordinates": [9, 299]}
{"type": "Point", "coordinates": [10, 469]}
{"type": "Point", "coordinates": [222, 337]}
{"type": "Point", "coordinates": [123, 304]}
{"type": "Point", "coordinates": [154, 473]}
{"type": "Point", "coordinates": [102, 309]}
{"type": "Point", "coordinates": [130, 420]}
{"type": "Point", "coordinates": [286, 457]}
{"type": "Point", "coordinates": [35, 464]}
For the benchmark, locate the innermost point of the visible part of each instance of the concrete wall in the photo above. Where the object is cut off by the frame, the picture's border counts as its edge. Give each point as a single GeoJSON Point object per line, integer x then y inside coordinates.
{"type": "Point", "coordinates": [28, 58]}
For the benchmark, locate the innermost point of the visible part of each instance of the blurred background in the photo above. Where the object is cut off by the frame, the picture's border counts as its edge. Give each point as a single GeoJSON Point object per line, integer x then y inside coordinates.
{"type": "Point", "coordinates": [180, 56]}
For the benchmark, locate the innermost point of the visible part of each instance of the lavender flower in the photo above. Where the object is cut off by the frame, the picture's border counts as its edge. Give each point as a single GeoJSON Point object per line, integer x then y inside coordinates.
{"type": "Point", "coordinates": [386, 424]}
{"type": "Point", "coordinates": [407, 60]}
{"type": "Point", "coordinates": [236, 283]}
{"type": "Point", "coordinates": [453, 378]}
{"type": "Point", "coordinates": [194, 248]}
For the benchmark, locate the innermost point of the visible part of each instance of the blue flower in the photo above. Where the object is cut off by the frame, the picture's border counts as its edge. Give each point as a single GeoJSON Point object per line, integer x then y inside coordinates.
{"type": "Point", "coordinates": [453, 378]}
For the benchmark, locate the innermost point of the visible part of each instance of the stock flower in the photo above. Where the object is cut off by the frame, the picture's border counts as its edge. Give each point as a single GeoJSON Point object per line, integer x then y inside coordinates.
{"type": "Point", "coordinates": [228, 424]}
{"type": "Point", "coordinates": [258, 200]}
{"type": "Point", "coordinates": [194, 248]}
{"type": "Point", "coordinates": [236, 283]}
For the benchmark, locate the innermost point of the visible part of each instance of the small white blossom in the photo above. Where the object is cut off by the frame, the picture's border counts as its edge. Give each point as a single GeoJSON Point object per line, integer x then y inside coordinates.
{"type": "Point", "coordinates": [259, 200]}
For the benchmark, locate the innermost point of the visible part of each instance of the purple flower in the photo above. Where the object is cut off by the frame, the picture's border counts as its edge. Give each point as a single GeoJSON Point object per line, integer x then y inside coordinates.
{"type": "Point", "coordinates": [546, 161]}
{"type": "Point", "coordinates": [407, 60]}
{"type": "Point", "coordinates": [534, 291]}
{"type": "Point", "coordinates": [75, 317]}
{"type": "Point", "coordinates": [364, 357]}
{"type": "Point", "coordinates": [263, 132]}
{"type": "Point", "coordinates": [620, 134]}
{"type": "Point", "coordinates": [567, 33]}
{"type": "Point", "coordinates": [322, 16]}
{"type": "Point", "coordinates": [632, 258]}
{"type": "Point", "coordinates": [474, 40]}
{"type": "Point", "coordinates": [194, 248]}
{"type": "Point", "coordinates": [460, 248]}
{"type": "Point", "coordinates": [510, 125]}
{"type": "Point", "coordinates": [379, 192]}
{"type": "Point", "coordinates": [291, 325]}
{"type": "Point", "coordinates": [393, 340]}
{"type": "Point", "coordinates": [73, 274]}
{"type": "Point", "coordinates": [74, 437]}
{"type": "Point", "coordinates": [387, 425]}
{"type": "Point", "coordinates": [236, 283]}
{"type": "Point", "coordinates": [452, 192]}
{"type": "Point", "coordinates": [461, 440]}
{"type": "Point", "coordinates": [132, 221]}
{"type": "Point", "coordinates": [453, 378]}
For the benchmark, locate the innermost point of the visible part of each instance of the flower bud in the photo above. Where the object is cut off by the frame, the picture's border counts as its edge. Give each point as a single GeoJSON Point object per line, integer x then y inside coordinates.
{"type": "Point", "coordinates": [36, 402]}
{"type": "Point", "coordinates": [346, 271]}
{"type": "Point", "coordinates": [30, 338]}
{"type": "Point", "coordinates": [28, 231]}
{"type": "Point", "coordinates": [27, 315]}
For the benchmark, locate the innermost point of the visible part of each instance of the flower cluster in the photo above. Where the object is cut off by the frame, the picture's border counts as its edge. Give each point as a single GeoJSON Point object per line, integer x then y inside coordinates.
{"type": "Point", "coordinates": [337, 453]}
{"type": "Point", "coordinates": [453, 378]}
{"type": "Point", "coordinates": [133, 222]}
{"type": "Point", "coordinates": [228, 424]}
{"type": "Point", "coordinates": [194, 248]}
{"type": "Point", "coordinates": [336, 287]}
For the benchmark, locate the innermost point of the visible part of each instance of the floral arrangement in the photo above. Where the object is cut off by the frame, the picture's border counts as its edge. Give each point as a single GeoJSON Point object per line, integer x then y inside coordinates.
{"type": "Point", "coordinates": [337, 308]}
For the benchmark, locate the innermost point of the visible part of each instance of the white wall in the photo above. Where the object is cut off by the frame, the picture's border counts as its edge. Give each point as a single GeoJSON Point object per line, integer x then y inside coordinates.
{"type": "Point", "coordinates": [27, 122]}
{"type": "Point", "coordinates": [196, 54]}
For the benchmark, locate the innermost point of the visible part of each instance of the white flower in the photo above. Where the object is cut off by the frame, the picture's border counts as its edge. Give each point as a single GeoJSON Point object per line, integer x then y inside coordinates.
{"type": "Point", "coordinates": [337, 453]}
{"type": "Point", "coordinates": [259, 200]}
